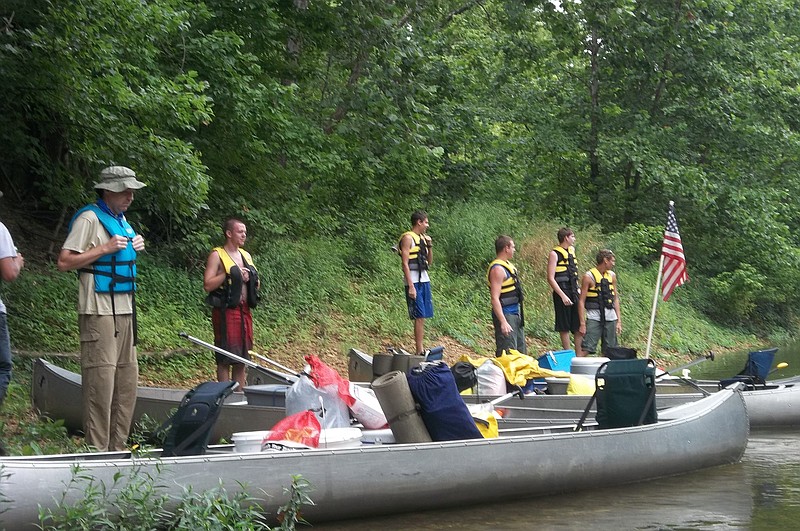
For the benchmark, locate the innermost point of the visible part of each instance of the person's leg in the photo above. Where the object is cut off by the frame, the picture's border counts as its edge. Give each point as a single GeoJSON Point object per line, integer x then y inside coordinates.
{"type": "Point", "coordinates": [611, 334]}
{"type": "Point", "coordinates": [238, 374]}
{"type": "Point", "coordinates": [126, 383]}
{"type": "Point", "coordinates": [5, 358]}
{"type": "Point", "coordinates": [423, 309]}
{"type": "Point", "coordinates": [592, 337]}
{"type": "Point", "coordinates": [223, 370]}
{"type": "Point", "coordinates": [575, 326]}
{"type": "Point", "coordinates": [519, 334]}
{"type": "Point", "coordinates": [419, 334]}
{"type": "Point", "coordinates": [564, 339]}
{"type": "Point", "coordinates": [563, 321]}
{"type": "Point", "coordinates": [97, 374]}
{"type": "Point", "coordinates": [578, 341]}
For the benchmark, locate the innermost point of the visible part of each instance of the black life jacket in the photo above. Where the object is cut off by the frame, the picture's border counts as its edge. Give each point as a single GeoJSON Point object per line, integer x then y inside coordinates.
{"type": "Point", "coordinates": [229, 294]}
{"type": "Point", "coordinates": [602, 294]}
{"type": "Point", "coordinates": [567, 271]}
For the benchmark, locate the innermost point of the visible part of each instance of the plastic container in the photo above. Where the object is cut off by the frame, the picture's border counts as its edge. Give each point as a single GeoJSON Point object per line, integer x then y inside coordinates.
{"type": "Point", "coordinates": [266, 395]}
{"type": "Point", "coordinates": [246, 442]}
{"type": "Point", "coordinates": [556, 360]}
{"type": "Point", "coordinates": [557, 386]}
{"type": "Point", "coordinates": [340, 438]}
{"type": "Point", "coordinates": [384, 436]}
{"type": "Point", "coordinates": [587, 365]}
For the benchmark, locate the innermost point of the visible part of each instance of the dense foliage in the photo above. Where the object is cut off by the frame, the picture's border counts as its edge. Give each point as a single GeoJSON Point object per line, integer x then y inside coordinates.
{"type": "Point", "coordinates": [331, 121]}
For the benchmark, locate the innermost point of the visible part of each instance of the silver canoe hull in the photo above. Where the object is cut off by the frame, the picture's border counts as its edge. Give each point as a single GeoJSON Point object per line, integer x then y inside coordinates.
{"type": "Point", "coordinates": [384, 479]}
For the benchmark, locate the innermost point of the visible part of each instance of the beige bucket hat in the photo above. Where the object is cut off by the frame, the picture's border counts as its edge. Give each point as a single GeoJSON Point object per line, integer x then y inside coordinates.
{"type": "Point", "coordinates": [118, 179]}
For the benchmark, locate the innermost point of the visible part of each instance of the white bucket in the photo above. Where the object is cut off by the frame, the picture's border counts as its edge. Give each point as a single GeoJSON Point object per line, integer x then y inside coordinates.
{"type": "Point", "coordinates": [340, 438]}
{"type": "Point", "coordinates": [248, 441]}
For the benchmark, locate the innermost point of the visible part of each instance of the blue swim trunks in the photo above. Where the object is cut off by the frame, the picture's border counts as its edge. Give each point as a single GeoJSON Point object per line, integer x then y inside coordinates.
{"type": "Point", "coordinates": [422, 306]}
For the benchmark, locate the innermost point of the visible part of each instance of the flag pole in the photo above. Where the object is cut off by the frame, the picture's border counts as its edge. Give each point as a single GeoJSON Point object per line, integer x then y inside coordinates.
{"type": "Point", "coordinates": [655, 303]}
{"type": "Point", "coordinates": [655, 296]}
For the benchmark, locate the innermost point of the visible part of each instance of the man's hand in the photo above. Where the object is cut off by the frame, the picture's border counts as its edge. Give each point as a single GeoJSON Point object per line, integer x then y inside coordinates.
{"type": "Point", "coordinates": [114, 244]}
{"type": "Point", "coordinates": [412, 291]}
{"type": "Point", "coordinates": [138, 243]}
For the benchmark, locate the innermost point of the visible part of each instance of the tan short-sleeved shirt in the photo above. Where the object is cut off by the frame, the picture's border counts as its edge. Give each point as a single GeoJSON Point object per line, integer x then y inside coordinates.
{"type": "Point", "coordinates": [87, 232]}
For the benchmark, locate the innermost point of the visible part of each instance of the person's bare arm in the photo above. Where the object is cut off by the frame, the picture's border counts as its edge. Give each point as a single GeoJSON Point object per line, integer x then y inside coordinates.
{"type": "Point", "coordinates": [586, 284]}
{"type": "Point", "coordinates": [69, 260]}
{"type": "Point", "coordinates": [10, 267]}
{"type": "Point", "coordinates": [405, 251]}
{"type": "Point", "coordinates": [214, 275]}
{"type": "Point", "coordinates": [616, 301]}
{"type": "Point", "coordinates": [496, 278]}
{"type": "Point", "coordinates": [552, 261]}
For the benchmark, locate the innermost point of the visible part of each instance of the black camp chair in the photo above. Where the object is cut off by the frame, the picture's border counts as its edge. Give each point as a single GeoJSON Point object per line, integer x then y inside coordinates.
{"type": "Point", "coordinates": [755, 371]}
{"type": "Point", "coordinates": [188, 430]}
{"type": "Point", "coordinates": [625, 391]}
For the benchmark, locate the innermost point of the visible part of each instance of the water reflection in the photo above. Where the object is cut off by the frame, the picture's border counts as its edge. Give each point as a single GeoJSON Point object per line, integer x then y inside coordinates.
{"type": "Point", "coordinates": [761, 492]}
{"type": "Point", "coordinates": [731, 363]}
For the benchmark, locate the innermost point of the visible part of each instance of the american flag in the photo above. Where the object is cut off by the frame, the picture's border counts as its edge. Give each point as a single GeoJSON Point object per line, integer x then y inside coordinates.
{"type": "Point", "coordinates": [674, 267]}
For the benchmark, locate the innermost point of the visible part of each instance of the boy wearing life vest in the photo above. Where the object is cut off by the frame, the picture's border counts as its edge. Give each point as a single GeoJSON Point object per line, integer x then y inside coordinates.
{"type": "Point", "coordinates": [101, 246]}
{"type": "Point", "coordinates": [563, 277]}
{"type": "Point", "coordinates": [416, 254]}
{"type": "Point", "coordinates": [232, 283]}
{"type": "Point", "coordinates": [506, 293]}
{"type": "Point", "coordinates": [599, 305]}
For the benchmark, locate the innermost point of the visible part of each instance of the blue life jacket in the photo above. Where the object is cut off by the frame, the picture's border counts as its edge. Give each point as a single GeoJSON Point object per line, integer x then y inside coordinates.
{"type": "Point", "coordinates": [113, 273]}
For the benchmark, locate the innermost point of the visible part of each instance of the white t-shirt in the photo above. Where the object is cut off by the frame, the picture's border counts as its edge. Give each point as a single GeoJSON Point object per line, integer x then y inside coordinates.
{"type": "Point", "coordinates": [594, 315]}
{"type": "Point", "coordinates": [87, 232]}
{"type": "Point", "coordinates": [7, 250]}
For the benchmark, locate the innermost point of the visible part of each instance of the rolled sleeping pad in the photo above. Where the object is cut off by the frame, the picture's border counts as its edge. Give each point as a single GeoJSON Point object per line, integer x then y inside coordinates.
{"type": "Point", "coordinates": [405, 362]}
{"type": "Point", "coordinates": [381, 364]}
{"type": "Point", "coordinates": [398, 405]}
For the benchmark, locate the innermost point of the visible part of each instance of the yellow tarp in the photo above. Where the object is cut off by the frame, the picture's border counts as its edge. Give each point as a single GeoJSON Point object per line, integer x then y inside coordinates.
{"type": "Point", "coordinates": [517, 367]}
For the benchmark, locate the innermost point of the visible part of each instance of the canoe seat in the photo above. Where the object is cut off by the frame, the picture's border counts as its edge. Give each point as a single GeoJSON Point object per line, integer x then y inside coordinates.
{"type": "Point", "coordinates": [625, 391]}
{"type": "Point", "coordinates": [755, 371]}
{"type": "Point", "coordinates": [188, 430]}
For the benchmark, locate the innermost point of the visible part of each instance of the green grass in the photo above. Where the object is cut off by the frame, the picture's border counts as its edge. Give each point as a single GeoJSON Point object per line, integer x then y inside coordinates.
{"type": "Point", "coordinates": [319, 294]}
{"type": "Point", "coordinates": [325, 296]}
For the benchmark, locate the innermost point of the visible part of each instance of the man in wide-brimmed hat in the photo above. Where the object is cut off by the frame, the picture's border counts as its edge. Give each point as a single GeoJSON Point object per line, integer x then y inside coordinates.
{"type": "Point", "coordinates": [102, 246]}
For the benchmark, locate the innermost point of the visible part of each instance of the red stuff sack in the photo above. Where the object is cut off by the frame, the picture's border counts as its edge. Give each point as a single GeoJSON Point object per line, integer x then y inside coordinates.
{"type": "Point", "coordinates": [301, 428]}
{"type": "Point", "coordinates": [325, 377]}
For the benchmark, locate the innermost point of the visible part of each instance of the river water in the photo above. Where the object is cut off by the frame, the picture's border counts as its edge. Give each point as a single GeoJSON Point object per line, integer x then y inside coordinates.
{"type": "Point", "coordinates": [762, 492]}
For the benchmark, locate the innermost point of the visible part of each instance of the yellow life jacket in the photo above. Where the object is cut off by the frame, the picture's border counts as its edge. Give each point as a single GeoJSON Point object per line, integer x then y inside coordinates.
{"type": "Point", "coordinates": [228, 295]}
{"type": "Point", "coordinates": [511, 288]}
{"type": "Point", "coordinates": [602, 294]}
{"type": "Point", "coordinates": [567, 270]}
{"type": "Point", "coordinates": [418, 254]}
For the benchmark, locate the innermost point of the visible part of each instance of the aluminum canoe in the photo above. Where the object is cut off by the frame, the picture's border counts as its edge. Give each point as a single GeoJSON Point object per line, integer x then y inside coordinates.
{"type": "Point", "coordinates": [774, 405]}
{"type": "Point", "coordinates": [57, 392]}
{"type": "Point", "coordinates": [371, 480]}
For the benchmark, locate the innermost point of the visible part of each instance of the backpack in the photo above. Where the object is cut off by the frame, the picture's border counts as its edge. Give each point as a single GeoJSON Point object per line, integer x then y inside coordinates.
{"type": "Point", "coordinates": [188, 430]}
